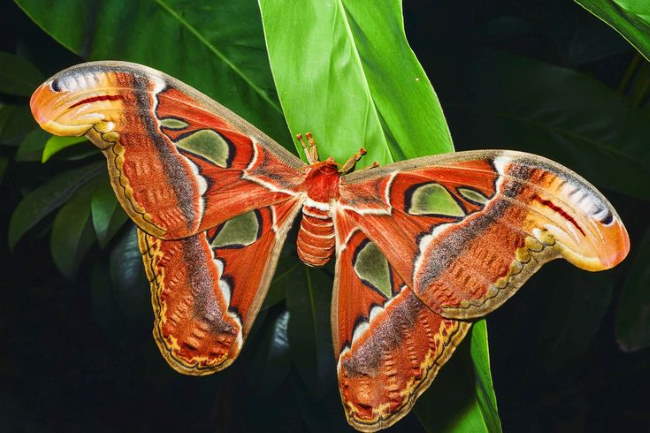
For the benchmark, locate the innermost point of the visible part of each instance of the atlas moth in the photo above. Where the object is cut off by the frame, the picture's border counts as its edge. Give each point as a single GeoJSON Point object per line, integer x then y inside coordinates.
{"type": "Point", "coordinates": [421, 246]}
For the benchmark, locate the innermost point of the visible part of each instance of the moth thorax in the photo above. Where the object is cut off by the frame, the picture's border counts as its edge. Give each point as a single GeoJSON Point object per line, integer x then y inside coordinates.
{"type": "Point", "coordinates": [315, 242]}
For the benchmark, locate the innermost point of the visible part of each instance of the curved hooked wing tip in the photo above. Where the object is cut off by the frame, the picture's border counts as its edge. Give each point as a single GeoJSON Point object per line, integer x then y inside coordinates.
{"type": "Point", "coordinates": [76, 99]}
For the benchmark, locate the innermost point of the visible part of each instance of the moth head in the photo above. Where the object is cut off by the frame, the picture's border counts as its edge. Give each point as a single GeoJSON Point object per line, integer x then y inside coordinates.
{"type": "Point", "coordinates": [81, 98]}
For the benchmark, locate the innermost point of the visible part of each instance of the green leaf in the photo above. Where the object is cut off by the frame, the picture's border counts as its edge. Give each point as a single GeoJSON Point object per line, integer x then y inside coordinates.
{"type": "Point", "coordinates": [566, 116]}
{"type": "Point", "coordinates": [487, 400]}
{"type": "Point", "coordinates": [271, 360]}
{"type": "Point", "coordinates": [352, 80]}
{"type": "Point", "coordinates": [633, 312]}
{"type": "Point", "coordinates": [129, 281]}
{"type": "Point", "coordinates": [107, 216]}
{"type": "Point", "coordinates": [31, 148]}
{"type": "Point", "coordinates": [630, 18]}
{"type": "Point", "coordinates": [4, 161]}
{"type": "Point", "coordinates": [72, 232]}
{"type": "Point", "coordinates": [56, 144]}
{"type": "Point", "coordinates": [217, 47]}
{"type": "Point", "coordinates": [288, 270]}
{"type": "Point", "coordinates": [461, 399]}
{"type": "Point", "coordinates": [39, 203]}
{"type": "Point", "coordinates": [17, 75]}
{"type": "Point", "coordinates": [309, 329]}
{"type": "Point", "coordinates": [103, 307]}
{"type": "Point", "coordinates": [15, 121]}
{"type": "Point", "coordinates": [577, 304]}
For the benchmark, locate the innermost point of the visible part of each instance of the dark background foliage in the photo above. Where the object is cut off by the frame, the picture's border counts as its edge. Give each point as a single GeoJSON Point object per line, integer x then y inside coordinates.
{"type": "Point", "coordinates": [569, 353]}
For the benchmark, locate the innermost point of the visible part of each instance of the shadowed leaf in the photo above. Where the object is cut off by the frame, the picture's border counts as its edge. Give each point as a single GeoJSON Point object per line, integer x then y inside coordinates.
{"type": "Point", "coordinates": [39, 203]}
{"type": "Point", "coordinates": [630, 18]}
{"type": "Point", "coordinates": [566, 116]}
{"type": "Point", "coordinates": [17, 75]}
{"type": "Point", "coordinates": [107, 216]}
{"type": "Point", "coordinates": [31, 148]}
{"type": "Point", "coordinates": [309, 329]}
{"type": "Point", "coordinates": [633, 312]}
{"type": "Point", "coordinates": [72, 232]}
{"type": "Point", "coordinates": [15, 122]}
{"type": "Point", "coordinates": [129, 281]}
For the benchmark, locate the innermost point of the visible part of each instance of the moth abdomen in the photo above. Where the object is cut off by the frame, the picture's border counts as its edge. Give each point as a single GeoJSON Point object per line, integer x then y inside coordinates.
{"type": "Point", "coordinates": [316, 241]}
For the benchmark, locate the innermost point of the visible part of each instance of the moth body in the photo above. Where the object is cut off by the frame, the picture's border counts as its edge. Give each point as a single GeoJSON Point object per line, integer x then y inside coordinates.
{"type": "Point", "coordinates": [316, 238]}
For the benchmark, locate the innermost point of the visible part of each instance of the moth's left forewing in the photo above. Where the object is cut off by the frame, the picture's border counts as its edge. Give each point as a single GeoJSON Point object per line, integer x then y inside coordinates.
{"type": "Point", "coordinates": [466, 230]}
{"type": "Point", "coordinates": [178, 161]}
{"type": "Point", "coordinates": [206, 289]}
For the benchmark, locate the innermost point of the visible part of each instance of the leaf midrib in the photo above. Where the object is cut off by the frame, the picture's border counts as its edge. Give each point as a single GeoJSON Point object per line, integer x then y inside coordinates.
{"type": "Point", "coordinates": [366, 86]}
{"type": "Point", "coordinates": [590, 9]}
{"type": "Point", "coordinates": [219, 54]}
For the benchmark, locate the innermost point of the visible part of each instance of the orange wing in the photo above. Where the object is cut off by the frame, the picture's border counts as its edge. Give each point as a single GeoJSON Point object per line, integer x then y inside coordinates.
{"type": "Point", "coordinates": [206, 289]}
{"type": "Point", "coordinates": [179, 162]}
{"type": "Point", "coordinates": [389, 345]}
{"type": "Point", "coordinates": [466, 230]}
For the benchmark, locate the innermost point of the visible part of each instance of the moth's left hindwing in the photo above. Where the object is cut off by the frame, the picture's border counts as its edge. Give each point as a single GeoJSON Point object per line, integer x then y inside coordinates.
{"type": "Point", "coordinates": [206, 289]}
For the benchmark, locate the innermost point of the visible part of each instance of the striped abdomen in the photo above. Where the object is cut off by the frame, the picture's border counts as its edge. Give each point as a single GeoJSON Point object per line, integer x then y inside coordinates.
{"type": "Point", "coordinates": [316, 236]}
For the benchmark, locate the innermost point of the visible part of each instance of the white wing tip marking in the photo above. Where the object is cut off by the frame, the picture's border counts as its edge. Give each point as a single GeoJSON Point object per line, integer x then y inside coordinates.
{"type": "Point", "coordinates": [374, 312]}
{"type": "Point", "coordinates": [225, 290]}
{"type": "Point", "coordinates": [500, 163]}
{"type": "Point", "coordinates": [359, 330]}
{"type": "Point", "coordinates": [158, 82]}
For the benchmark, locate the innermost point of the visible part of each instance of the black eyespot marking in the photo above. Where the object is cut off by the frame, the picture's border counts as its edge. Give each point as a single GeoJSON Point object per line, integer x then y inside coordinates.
{"type": "Point", "coordinates": [607, 219]}
{"type": "Point", "coordinates": [54, 85]}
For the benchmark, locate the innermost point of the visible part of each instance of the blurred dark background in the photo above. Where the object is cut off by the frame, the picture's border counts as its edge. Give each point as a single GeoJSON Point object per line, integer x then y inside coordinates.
{"type": "Point", "coordinates": [569, 353]}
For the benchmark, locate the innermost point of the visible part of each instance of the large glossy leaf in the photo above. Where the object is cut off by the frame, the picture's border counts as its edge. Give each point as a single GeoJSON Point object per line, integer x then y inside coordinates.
{"type": "Point", "coordinates": [565, 115]}
{"type": "Point", "coordinates": [272, 361]}
{"type": "Point", "coordinates": [15, 122]}
{"type": "Point", "coordinates": [43, 200]}
{"type": "Point", "coordinates": [352, 80]}
{"type": "Point", "coordinates": [107, 216]}
{"type": "Point", "coordinates": [31, 147]}
{"type": "Point", "coordinates": [129, 281]}
{"type": "Point", "coordinates": [72, 231]}
{"type": "Point", "coordinates": [633, 313]}
{"type": "Point", "coordinates": [217, 47]}
{"type": "Point", "coordinates": [485, 396]}
{"type": "Point", "coordinates": [577, 302]}
{"type": "Point", "coordinates": [345, 72]}
{"type": "Point", "coordinates": [630, 18]}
